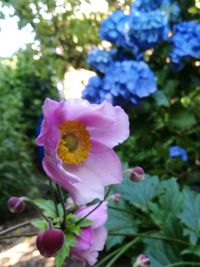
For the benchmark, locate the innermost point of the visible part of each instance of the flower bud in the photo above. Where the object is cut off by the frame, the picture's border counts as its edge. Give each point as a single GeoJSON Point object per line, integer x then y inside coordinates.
{"type": "Point", "coordinates": [116, 198]}
{"type": "Point", "coordinates": [142, 261]}
{"type": "Point", "coordinates": [16, 204]}
{"type": "Point", "coordinates": [137, 174]}
{"type": "Point", "coordinates": [49, 242]}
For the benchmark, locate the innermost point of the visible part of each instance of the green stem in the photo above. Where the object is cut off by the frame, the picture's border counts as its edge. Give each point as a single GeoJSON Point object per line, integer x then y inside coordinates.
{"type": "Point", "coordinates": [107, 257]}
{"type": "Point", "coordinates": [121, 252]}
{"type": "Point", "coordinates": [166, 238]}
{"type": "Point", "coordinates": [53, 195]}
{"type": "Point", "coordinates": [17, 236]}
{"type": "Point", "coordinates": [100, 203]}
{"type": "Point", "coordinates": [63, 205]}
{"type": "Point", "coordinates": [13, 228]}
{"type": "Point", "coordinates": [26, 199]}
{"type": "Point", "coordinates": [183, 263]}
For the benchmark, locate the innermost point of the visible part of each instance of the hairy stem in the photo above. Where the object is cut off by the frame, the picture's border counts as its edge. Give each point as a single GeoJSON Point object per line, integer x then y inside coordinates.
{"type": "Point", "coordinates": [17, 236]}
{"type": "Point", "coordinates": [166, 238]}
{"type": "Point", "coordinates": [53, 196]}
{"type": "Point", "coordinates": [13, 228]}
{"type": "Point", "coordinates": [63, 205]}
{"type": "Point", "coordinates": [122, 251]}
{"type": "Point", "coordinates": [107, 257]}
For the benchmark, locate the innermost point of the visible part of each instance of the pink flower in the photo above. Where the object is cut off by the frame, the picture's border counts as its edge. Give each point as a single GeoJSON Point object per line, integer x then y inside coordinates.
{"type": "Point", "coordinates": [78, 138]}
{"type": "Point", "coordinates": [92, 238]}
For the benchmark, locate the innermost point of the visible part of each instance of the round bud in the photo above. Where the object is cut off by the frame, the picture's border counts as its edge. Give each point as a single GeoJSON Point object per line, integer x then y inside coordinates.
{"type": "Point", "coordinates": [16, 204]}
{"type": "Point", "coordinates": [50, 242]}
{"type": "Point", "coordinates": [137, 174]}
{"type": "Point", "coordinates": [116, 197]}
{"type": "Point", "coordinates": [142, 261]}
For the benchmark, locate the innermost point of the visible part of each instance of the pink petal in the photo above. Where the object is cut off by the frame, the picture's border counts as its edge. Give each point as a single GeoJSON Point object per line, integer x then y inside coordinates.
{"type": "Point", "coordinates": [98, 216]}
{"type": "Point", "coordinates": [89, 256]}
{"type": "Point", "coordinates": [55, 171]}
{"type": "Point", "coordinates": [86, 113]}
{"type": "Point", "coordinates": [49, 106]}
{"type": "Point", "coordinates": [100, 237]}
{"type": "Point", "coordinates": [103, 165]}
{"type": "Point", "coordinates": [86, 239]}
{"type": "Point", "coordinates": [116, 133]}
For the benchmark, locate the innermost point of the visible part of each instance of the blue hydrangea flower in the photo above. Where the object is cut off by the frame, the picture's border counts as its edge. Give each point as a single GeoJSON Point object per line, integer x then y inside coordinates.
{"type": "Point", "coordinates": [176, 151]}
{"type": "Point", "coordinates": [186, 42]}
{"type": "Point", "coordinates": [146, 29]}
{"type": "Point", "coordinates": [93, 89]}
{"type": "Point", "coordinates": [100, 60]}
{"type": "Point", "coordinates": [130, 80]}
{"type": "Point", "coordinates": [124, 82]}
{"type": "Point", "coordinates": [114, 30]}
{"type": "Point", "coordinates": [168, 6]}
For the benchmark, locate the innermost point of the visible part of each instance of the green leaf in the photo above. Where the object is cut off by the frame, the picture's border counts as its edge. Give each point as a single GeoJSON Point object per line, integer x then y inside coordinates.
{"type": "Point", "coordinates": [160, 98]}
{"type": "Point", "coordinates": [164, 252]}
{"type": "Point", "coordinates": [169, 202]}
{"type": "Point", "coordinates": [71, 240]}
{"type": "Point", "coordinates": [85, 223]}
{"type": "Point", "coordinates": [195, 250]}
{"type": "Point", "coordinates": [40, 224]}
{"type": "Point", "coordinates": [121, 221]}
{"type": "Point", "coordinates": [181, 118]}
{"type": "Point", "coordinates": [140, 193]}
{"type": "Point", "coordinates": [62, 255]}
{"type": "Point", "coordinates": [47, 206]}
{"type": "Point", "coordinates": [190, 215]}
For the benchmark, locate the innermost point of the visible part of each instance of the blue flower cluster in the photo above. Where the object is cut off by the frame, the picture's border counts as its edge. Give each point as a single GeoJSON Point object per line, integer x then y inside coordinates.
{"type": "Point", "coordinates": [93, 90]}
{"type": "Point", "coordinates": [176, 151]}
{"type": "Point", "coordinates": [114, 29]}
{"type": "Point", "coordinates": [126, 81]}
{"type": "Point", "coordinates": [146, 29]}
{"type": "Point", "coordinates": [147, 24]}
{"type": "Point", "coordinates": [186, 42]}
{"type": "Point", "coordinates": [167, 6]}
{"type": "Point", "coordinates": [100, 60]}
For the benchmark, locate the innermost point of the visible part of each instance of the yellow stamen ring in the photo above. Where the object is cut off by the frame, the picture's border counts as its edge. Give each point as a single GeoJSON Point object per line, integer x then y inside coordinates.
{"type": "Point", "coordinates": [74, 142]}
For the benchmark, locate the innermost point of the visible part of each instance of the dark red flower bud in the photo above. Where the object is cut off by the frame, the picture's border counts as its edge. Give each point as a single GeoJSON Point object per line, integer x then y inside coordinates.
{"type": "Point", "coordinates": [50, 242]}
{"type": "Point", "coordinates": [16, 204]}
{"type": "Point", "coordinates": [137, 174]}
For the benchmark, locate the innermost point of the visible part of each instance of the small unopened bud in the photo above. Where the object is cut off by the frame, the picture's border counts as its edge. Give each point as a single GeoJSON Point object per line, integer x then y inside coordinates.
{"type": "Point", "coordinates": [116, 198]}
{"type": "Point", "coordinates": [142, 261]}
{"type": "Point", "coordinates": [16, 204]}
{"type": "Point", "coordinates": [137, 174]}
{"type": "Point", "coordinates": [50, 242]}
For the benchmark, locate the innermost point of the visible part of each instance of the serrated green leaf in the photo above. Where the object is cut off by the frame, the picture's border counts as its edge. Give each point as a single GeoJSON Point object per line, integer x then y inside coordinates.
{"type": "Point", "coordinates": [40, 224]}
{"type": "Point", "coordinates": [121, 221]}
{"type": "Point", "coordinates": [60, 210]}
{"type": "Point", "coordinates": [162, 252]}
{"type": "Point", "coordinates": [195, 250]}
{"type": "Point", "coordinates": [169, 202]}
{"type": "Point", "coordinates": [71, 240]}
{"type": "Point", "coordinates": [190, 215]}
{"type": "Point", "coordinates": [140, 193]}
{"type": "Point", "coordinates": [47, 206]}
{"type": "Point", "coordinates": [85, 223]}
{"type": "Point", "coordinates": [62, 255]}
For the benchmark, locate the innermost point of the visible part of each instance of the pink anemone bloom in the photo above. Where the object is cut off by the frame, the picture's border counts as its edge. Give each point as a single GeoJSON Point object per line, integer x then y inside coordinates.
{"type": "Point", "coordinates": [78, 138]}
{"type": "Point", "coordinates": [92, 238]}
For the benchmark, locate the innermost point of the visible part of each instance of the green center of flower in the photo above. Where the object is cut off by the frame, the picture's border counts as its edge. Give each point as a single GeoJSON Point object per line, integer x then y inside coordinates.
{"type": "Point", "coordinates": [71, 142]}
